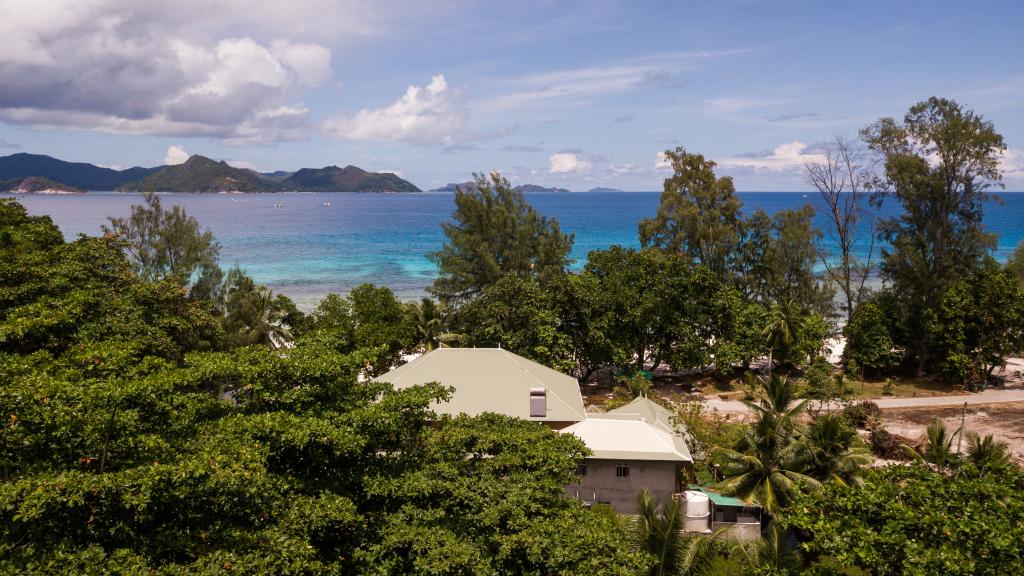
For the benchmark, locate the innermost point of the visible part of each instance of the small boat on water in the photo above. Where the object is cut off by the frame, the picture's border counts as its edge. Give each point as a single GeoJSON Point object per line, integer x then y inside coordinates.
{"type": "Point", "coordinates": [327, 203]}
{"type": "Point", "coordinates": [278, 205]}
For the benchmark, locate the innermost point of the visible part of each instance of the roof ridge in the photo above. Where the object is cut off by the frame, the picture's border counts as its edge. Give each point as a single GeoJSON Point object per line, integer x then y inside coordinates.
{"type": "Point", "coordinates": [554, 393]}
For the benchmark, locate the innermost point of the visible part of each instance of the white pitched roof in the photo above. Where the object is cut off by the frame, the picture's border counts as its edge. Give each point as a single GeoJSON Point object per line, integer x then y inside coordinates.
{"type": "Point", "coordinates": [642, 408]}
{"type": "Point", "coordinates": [492, 380]}
{"type": "Point", "coordinates": [618, 438]}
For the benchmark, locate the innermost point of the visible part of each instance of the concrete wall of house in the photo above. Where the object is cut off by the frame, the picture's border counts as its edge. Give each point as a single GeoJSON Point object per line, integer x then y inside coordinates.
{"type": "Point", "coordinates": [601, 484]}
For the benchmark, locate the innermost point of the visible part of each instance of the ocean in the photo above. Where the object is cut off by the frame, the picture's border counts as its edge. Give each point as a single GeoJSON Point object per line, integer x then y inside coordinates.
{"type": "Point", "coordinates": [306, 250]}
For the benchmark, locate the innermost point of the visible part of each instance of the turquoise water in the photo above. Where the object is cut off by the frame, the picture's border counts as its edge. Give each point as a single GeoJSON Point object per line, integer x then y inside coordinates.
{"type": "Point", "coordinates": [305, 249]}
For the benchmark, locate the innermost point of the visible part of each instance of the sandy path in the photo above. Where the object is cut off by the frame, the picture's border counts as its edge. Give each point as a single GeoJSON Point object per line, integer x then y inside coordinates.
{"type": "Point", "coordinates": [984, 397]}
{"type": "Point", "coordinates": [1004, 421]}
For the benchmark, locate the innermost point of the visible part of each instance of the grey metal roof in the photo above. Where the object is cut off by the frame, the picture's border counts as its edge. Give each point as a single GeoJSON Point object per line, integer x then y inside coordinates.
{"type": "Point", "coordinates": [491, 380]}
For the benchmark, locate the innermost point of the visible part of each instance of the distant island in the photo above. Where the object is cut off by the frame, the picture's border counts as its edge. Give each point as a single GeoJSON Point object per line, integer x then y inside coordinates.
{"type": "Point", "coordinates": [24, 172]}
{"type": "Point", "coordinates": [453, 186]}
{"type": "Point", "coordinates": [604, 189]}
{"type": "Point", "coordinates": [347, 179]}
{"type": "Point", "coordinates": [37, 185]}
{"type": "Point", "coordinates": [74, 174]}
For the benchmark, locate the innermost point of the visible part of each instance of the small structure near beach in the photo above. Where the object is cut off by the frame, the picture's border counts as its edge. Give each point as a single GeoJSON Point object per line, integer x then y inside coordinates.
{"type": "Point", "coordinates": [495, 380]}
{"type": "Point", "coordinates": [708, 511]}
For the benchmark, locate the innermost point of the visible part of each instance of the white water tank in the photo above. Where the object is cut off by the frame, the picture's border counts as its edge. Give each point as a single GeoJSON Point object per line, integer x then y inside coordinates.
{"type": "Point", "coordinates": [697, 503]}
{"type": "Point", "coordinates": [698, 512]}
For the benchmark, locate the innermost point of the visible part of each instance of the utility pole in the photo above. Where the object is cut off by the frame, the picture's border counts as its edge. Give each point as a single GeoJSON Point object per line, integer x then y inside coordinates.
{"type": "Point", "coordinates": [960, 438]}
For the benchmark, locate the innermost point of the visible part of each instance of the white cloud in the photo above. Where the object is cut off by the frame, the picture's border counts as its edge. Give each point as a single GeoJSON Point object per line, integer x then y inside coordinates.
{"type": "Point", "coordinates": [174, 69]}
{"type": "Point", "coordinates": [1011, 163]}
{"type": "Point", "coordinates": [175, 155]}
{"type": "Point", "coordinates": [566, 162]}
{"type": "Point", "coordinates": [661, 162]}
{"type": "Point", "coordinates": [733, 104]}
{"type": "Point", "coordinates": [311, 63]}
{"type": "Point", "coordinates": [565, 84]}
{"type": "Point", "coordinates": [784, 158]}
{"type": "Point", "coordinates": [429, 114]}
{"type": "Point", "coordinates": [241, 164]}
{"type": "Point", "coordinates": [111, 166]}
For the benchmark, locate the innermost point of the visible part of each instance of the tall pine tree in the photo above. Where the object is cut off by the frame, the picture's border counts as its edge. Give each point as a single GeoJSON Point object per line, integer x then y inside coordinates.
{"type": "Point", "coordinates": [939, 162]}
{"type": "Point", "coordinates": [496, 232]}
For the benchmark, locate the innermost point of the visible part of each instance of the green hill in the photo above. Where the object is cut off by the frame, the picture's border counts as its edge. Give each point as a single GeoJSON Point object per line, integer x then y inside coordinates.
{"type": "Point", "coordinates": [75, 174]}
{"type": "Point", "coordinates": [201, 174]}
{"type": "Point", "coordinates": [347, 179]}
{"type": "Point", "coordinates": [35, 184]}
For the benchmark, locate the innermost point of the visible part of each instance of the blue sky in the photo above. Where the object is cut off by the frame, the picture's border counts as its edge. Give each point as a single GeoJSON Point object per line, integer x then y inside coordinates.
{"type": "Point", "coordinates": [556, 93]}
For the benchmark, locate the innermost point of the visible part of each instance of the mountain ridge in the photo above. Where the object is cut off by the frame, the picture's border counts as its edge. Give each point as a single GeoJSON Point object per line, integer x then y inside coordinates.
{"type": "Point", "coordinates": [198, 174]}
{"type": "Point", "coordinates": [347, 179]}
{"type": "Point", "coordinates": [203, 175]}
{"type": "Point", "coordinates": [74, 174]}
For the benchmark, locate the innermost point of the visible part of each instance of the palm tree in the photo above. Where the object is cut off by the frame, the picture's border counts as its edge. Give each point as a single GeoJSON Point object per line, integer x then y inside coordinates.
{"type": "Point", "coordinates": [772, 554]}
{"type": "Point", "coordinates": [938, 447]}
{"type": "Point", "coordinates": [783, 323]}
{"type": "Point", "coordinates": [252, 314]}
{"type": "Point", "coordinates": [658, 530]}
{"type": "Point", "coordinates": [427, 316]}
{"type": "Point", "coordinates": [835, 453]}
{"type": "Point", "coordinates": [986, 452]}
{"type": "Point", "coordinates": [768, 465]}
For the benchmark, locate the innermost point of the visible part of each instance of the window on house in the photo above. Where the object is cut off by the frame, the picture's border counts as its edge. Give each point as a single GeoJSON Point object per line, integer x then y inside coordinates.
{"type": "Point", "coordinates": [622, 470]}
{"type": "Point", "coordinates": [581, 469]}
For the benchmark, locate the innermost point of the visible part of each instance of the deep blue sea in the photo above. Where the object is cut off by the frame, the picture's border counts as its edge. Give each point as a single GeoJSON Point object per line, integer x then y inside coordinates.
{"type": "Point", "coordinates": [306, 250]}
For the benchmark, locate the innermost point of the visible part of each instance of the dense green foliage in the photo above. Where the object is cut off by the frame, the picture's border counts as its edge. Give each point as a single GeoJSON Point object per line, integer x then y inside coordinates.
{"type": "Point", "coordinates": [698, 215]}
{"type": "Point", "coordinates": [347, 179]}
{"type": "Point", "coordinates": [769, 258]}
{"type": "Point", "coordinates": [515, 313]}
{"type": "Point", "coordinates": [910, 520]}
{"type": "Point", "coordinates": [938, 164]}
{"type": "Point", "coordinates": [369, 318]}
{"type": "Point", "coordinates": [496, 233]}
{"type": "Point", "coordinates": [657, 528]}
{"type": "Point", "coordinates": [778, 457]}
{"type": "Point", "coordinates": [1015, 263]}
{"type": "Point", "coordinates": [979, 323]}
{"type": "Point", "coordinates": [79, 308]}
{"type": "Point", "coordinates": [124, 450]}
{"type": "Point", "coordinates": [868, 340]}
{"type": "Point", "coordinates": [165, 243]}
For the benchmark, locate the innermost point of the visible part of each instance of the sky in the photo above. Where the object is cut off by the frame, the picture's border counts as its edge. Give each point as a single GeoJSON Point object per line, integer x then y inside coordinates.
{"type": "Point", "coordinates": [568, 94]}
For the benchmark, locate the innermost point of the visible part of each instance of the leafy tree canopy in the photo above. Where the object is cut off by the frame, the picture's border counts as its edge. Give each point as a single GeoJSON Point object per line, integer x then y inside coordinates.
{"type": "Point", "coordinates": [164, 243]}
{"type": "Point", "coordinates": [496, 232]}
{"type": "Point", "coordinates": [907, 520]}
{"type": "Point", "coordinates": [868, 339]}
{"type": "Point", "coordinates": [698, 215]}
{"type": "Point", "coordinates": [79, 306]}
{"type": "Point", "coordinates": [979, 323]}
{"type": "Point", "coordinates": [939, 162]}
